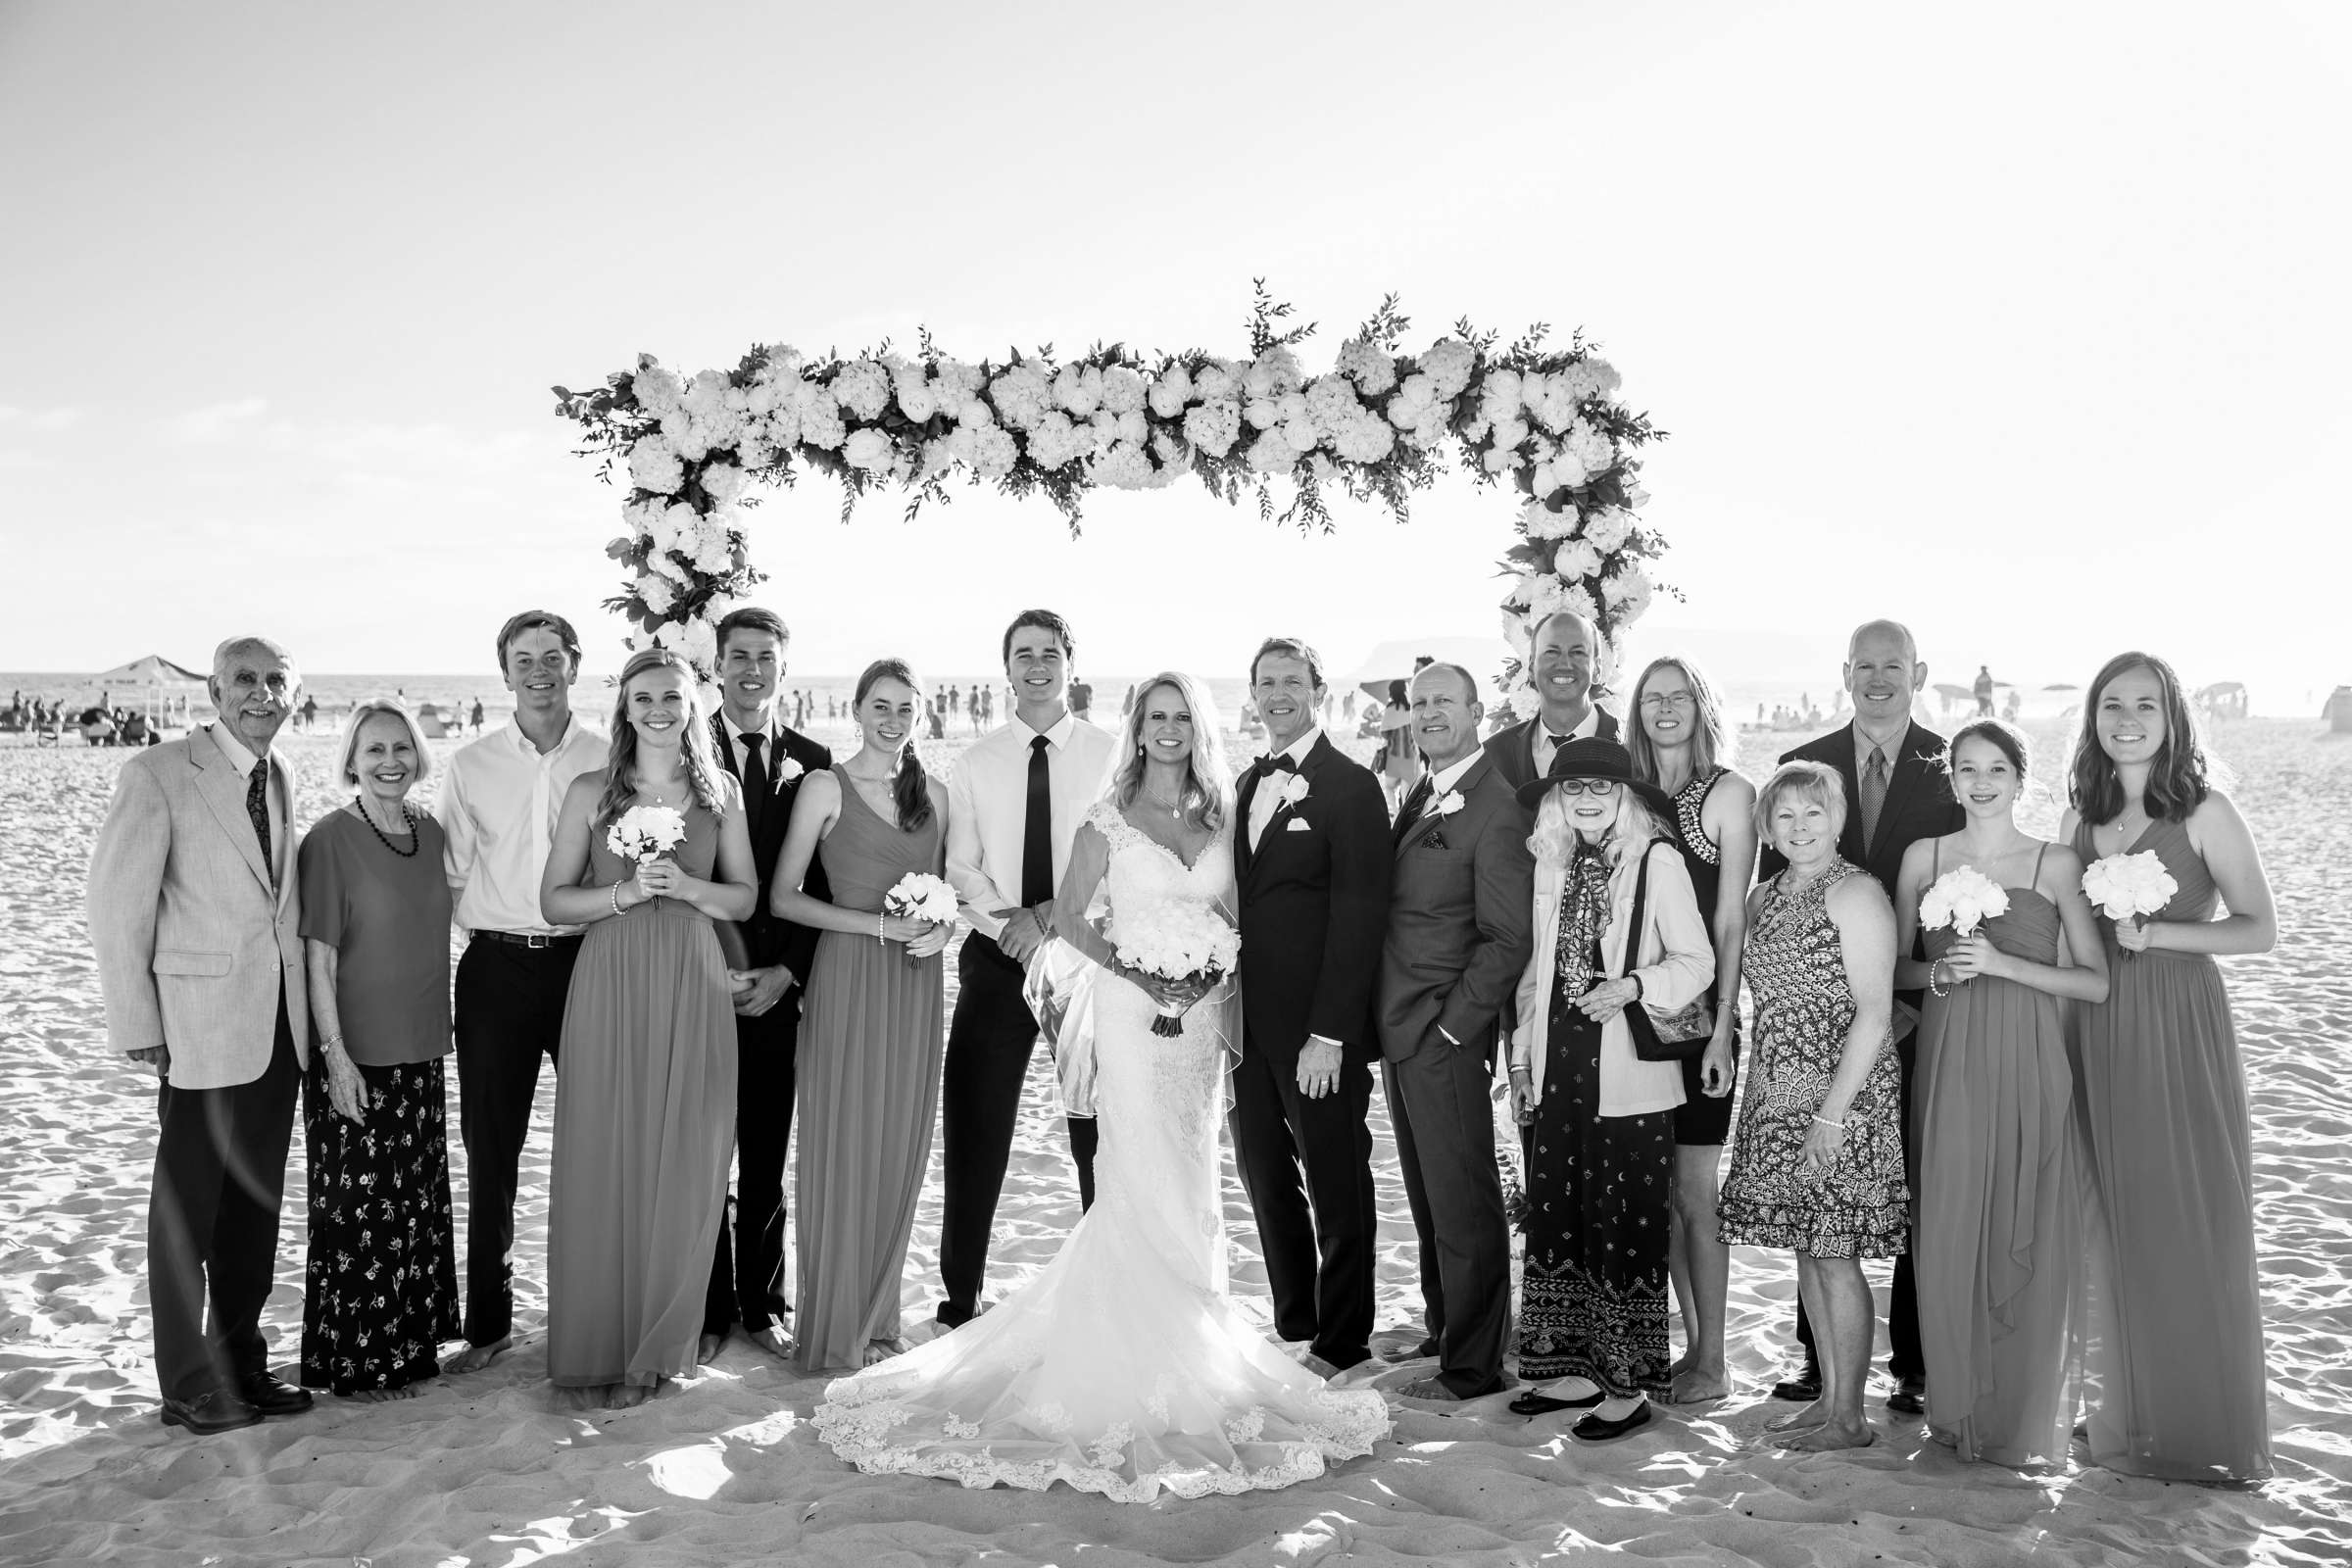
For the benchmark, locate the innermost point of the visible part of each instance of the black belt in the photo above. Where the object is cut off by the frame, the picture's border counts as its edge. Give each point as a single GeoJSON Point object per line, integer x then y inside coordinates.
{"type": "Point", "coordinates": [520, 939]}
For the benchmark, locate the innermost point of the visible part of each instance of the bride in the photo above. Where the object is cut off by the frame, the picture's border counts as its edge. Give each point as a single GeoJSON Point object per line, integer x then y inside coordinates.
{"type": "Point", "coordinates": [1123, 1367]}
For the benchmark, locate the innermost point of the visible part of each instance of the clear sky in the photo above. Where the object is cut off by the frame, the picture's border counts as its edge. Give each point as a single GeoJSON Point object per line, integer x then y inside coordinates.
{"type": "Point", "coordinates": [2026, 323]}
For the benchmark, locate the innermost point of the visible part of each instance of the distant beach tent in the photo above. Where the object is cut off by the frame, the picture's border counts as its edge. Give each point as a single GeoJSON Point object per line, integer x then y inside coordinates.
{"type": "Point", "coordinates": [153, 676]}
{"type": "Point", "coordinates": [2224, 699]}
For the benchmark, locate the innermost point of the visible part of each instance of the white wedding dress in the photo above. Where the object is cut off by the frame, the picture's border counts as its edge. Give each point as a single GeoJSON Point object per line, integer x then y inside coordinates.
{"type": "Point", "coordinates": [1123, 1367]}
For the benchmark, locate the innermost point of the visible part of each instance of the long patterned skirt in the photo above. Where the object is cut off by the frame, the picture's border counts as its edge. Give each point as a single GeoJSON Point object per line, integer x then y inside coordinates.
{"type": "Point", "coordinates": [382, 1287]}
{"type": "Point", "coordinates": [1599, 1189]}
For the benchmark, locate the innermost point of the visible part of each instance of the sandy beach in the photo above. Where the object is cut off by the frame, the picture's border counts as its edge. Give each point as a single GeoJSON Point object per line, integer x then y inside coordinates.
{"type": "Point", "coordinates": [722, 1469]}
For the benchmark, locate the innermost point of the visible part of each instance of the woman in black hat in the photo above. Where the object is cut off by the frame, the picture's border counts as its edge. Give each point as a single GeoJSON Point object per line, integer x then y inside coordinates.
{"type": "Point", "coordinates": [1598, 1121]}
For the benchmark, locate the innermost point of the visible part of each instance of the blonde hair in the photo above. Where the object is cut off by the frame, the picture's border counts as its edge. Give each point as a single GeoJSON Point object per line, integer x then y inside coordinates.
{"type": "Point", "coordinates": [702, 774]}
{"type": "Point", "coordinates": [1817, 782]}
{"type": "Point", "coordinates": [1629, 834]}
{"type": "Point", "coordinates": [348, 750]}
{"type": "Point", "coordinates": [1207, 792]}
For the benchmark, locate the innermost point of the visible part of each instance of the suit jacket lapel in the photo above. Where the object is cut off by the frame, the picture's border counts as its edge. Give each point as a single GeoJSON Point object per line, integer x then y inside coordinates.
{"type": "Point", "coordinates": [1902, 776]}
{"type": "Point", "coordinates": [1842, 752]}
{"type": "Point", "coordinates": [217, 782]}
{"type": "Point", "coordinates": [1421, 831]}
{"type": "Point", "coordinates": [1244, 854]}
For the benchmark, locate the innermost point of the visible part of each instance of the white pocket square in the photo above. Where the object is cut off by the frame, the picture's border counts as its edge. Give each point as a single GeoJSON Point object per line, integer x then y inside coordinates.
{"type": "Point", "coordinates": [1296, 825]}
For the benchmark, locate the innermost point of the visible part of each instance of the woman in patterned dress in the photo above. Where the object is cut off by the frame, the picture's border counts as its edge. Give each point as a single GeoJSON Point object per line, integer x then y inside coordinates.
{"type": "Point", "coordinates": [1682, 743]}
{"type": "Point", "coordinates": [1817, 1165]}
{"type": "Point", "coordinates": [1598, 1120]}
{"type": "Point", "coordinates": [382, 1287]}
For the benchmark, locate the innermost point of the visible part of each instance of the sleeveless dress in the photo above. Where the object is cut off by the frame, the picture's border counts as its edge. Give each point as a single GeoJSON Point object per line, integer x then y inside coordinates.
{"type": "Point", "coordinates": [1701, 1121]}
{"type": "Point", "coordinates": [2177, 1348]}
{"type": "Point", "coordinates": [1123, 1367]}
{"type": "Point", "coordinates": [645, 1126]}
{"type": "Point", "coordinates": [1999, 1235]}
{"type": "Point", "coordinates": [1861, 1208]}
{"type": "Point", "coordinates": [869, 1063]}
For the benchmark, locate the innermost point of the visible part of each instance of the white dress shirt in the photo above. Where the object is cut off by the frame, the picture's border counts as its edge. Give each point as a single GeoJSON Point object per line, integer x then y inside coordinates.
{"type": "Point", "coordinates": [499, 807]}
{"type": "Point", "coordinates": [767, 743]}
{"type": "Point", "coordinates": [1543, 740]}
{"type": "Point", "coordinates": [1268, 795]}
{"type": "Point", "coordinates": [276, 792]}
{"type": "Point", "coordinates": [988, 808]}
{"type": "Point", "coordinates": [1440, 783]}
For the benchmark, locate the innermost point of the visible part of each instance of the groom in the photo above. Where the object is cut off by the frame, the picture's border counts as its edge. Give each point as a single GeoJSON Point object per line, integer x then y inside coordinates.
{"type": "Point", "coordinates": [1311, 862]}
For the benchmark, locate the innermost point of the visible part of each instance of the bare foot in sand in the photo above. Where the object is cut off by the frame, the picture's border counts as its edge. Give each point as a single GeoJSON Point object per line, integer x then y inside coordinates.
{"type": "Point", "coordinates": [1833, 1434]}
{"type": "Point", "coordinates": [474, 1357]}
{"type": "Point", "coordinates": [1693, 1384]}
{"type": "Point", "coordinates": [775, 1342]}
{"type": "Point", "coordinates": [878, 1351]}
{"type": "Point", "coordinates": [1812, 1415]}
{"type": "Point", "coordinates": [407, 1390]}
{"type": "Point", "coordinates": [707, 1347]}
{"type": "Point", "coordinates": [628, 1395]}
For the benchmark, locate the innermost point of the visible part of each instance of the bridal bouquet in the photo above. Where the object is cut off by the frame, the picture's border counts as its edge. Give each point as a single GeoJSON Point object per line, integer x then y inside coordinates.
{"type": "Point", "coordinates": [1963, 898]}
{"type": "Point", "coordinates": [1179, 941]}
{"type": "Point", "coordinates": [646, 832]}
{"type": "Point", "coordinates": [2129, 887]}
{"type": "Point", "coordinates": [920, 896]}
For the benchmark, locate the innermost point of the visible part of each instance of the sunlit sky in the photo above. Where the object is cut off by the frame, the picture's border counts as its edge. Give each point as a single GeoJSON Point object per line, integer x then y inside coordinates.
{"type": "Point", "coordinates": [2025, 324]}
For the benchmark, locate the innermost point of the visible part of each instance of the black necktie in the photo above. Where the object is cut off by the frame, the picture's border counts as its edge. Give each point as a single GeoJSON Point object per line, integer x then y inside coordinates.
{"type": "Point", "coordinates": [257, 806]}
{"type": "Point", "coordinates": [1279, 762]}
{"type": "Point", "coordinates": [1416, 801]}
{"type": "Point", "coordinates": [755, 780]}
{"type": "Point", "coordinates": [1037, 829]}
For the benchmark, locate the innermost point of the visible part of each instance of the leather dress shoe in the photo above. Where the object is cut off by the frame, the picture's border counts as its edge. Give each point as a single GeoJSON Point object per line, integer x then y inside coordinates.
{"type": "Point", "coordinates": [216, 1410]}
{"type": "Point", "coordinates": [1593, 1428]}
{"type": "Point", "coordinates": [1802, 1389]}
{"type": "Point", "coordinates": [1410, 1352]}
{"type": "Point", "coordinates": [272, 1395]}
{"type": "Point", "coordinates": [1910, 1397]}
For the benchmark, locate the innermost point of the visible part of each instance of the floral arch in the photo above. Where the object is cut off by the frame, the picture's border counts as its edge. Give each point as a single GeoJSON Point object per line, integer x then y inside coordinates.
{"type": "Point", "coordinates": [1379, 424]}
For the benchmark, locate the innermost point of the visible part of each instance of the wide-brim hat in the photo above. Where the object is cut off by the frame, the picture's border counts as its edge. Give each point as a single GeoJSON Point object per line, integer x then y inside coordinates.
{"type": "Point", "coordinates": [1594, 757]}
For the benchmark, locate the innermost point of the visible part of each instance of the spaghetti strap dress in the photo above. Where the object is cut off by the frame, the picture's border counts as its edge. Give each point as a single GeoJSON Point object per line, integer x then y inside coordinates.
{"type": "Point", "coordinates": [1998, 1242]}
{"type": "Point", "coordinates": [869, 1064]}
{"type": "Point", "coordinates": [2177, 1357]}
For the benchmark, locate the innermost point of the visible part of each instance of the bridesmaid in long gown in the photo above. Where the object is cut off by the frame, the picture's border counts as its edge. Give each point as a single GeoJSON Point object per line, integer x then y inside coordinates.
{"type": "Point", "coordinates": [871, 1041]}
{"type": "Point", "coordinates": [2177, 1348]}
{"type": "Point", "coordinates": [1998, 1237]}
{"type": "Point", "coordinates": [644, 1105]}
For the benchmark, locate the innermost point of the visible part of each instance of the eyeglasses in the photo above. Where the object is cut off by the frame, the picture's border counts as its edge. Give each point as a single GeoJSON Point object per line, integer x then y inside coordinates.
{"type": "Point", "coordinates": [1651, 702]}
{"type": "Point", "coordinates": [1586, 786]}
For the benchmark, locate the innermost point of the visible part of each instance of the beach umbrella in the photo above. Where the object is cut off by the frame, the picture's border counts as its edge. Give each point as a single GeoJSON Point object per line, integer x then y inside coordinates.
{"type": "Point", "coordinates": [154, 674]}
{"type": "Point", "coordinates": [2062, 686]}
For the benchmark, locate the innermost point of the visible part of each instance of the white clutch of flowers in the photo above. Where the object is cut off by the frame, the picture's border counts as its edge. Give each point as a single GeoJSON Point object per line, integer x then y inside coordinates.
{"type": "Point", "coordinates": [920, 896]}
{"type": "Point", "coordinates": [643, 832]}
{"type": "Point", "coordinates": [1963, 898]}
{"type": "Point", "coordinates": [2127, 887]}
{"type": "Point", "coordinates": [1176, 940]}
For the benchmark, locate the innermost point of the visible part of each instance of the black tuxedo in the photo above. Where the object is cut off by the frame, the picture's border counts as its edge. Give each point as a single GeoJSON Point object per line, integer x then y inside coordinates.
{"type": "Point", "coordinates": [1919, 805]}
{"type": "Point", "coordinates": [1315, 897]}
{"type": "Point", "coordinates": [1513, 749]}
{"type": "Point", "coordinates": [1461, 917]}
{"type": "Point", "coordinates": [746, 1269]}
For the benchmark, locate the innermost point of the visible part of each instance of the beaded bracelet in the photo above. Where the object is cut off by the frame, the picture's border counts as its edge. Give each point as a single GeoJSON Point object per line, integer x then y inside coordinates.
{"type": "Point", "coordinates": [1826, 1123]}
{"type": "Point", "coordinates": [1937, 988]}
{"type": "Point", "coordinates": [617, 895]}
{"type": "Point", "coordinates": [877, 928]}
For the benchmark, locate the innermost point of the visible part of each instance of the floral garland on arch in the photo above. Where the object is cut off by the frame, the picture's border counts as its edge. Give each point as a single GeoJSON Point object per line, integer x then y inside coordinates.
{"type": "Point", "coordinates": [1378, 424]}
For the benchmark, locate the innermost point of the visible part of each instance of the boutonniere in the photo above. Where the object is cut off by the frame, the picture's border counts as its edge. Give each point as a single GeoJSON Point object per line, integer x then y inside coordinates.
{"type": "Point", "coordinates": [792, 770]}
{"type": "Point", "coordinates": [1294, 789]}
{"type": "Point", "coordinates": [1445, 806]}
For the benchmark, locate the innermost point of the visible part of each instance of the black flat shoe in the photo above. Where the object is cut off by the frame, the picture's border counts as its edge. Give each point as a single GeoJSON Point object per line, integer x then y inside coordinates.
{"type": "Point", "coordinates": [1533, 1404]}
{"type": "Point", "coordinates": [1910, 1397]}
{"type": "Point", "coordinates": [1802, 1389]}
{"type": "Point", "coordinates": [217, 1411]}
{"type": "Point", "coordinates": [272, 1395]}
{"type": "Point", "coordinates": [1592, 1429]}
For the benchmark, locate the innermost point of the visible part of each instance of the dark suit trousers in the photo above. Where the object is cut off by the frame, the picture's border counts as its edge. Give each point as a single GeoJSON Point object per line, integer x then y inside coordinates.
{"type": "Point", "coordinates": [1904, 1357]}
{"type": "Point", "coordinates": [989, 1043]}
{"type": "Point", "coordinates": [211, 1220]}
{"type": "Point", "coordinates": [1445, 1145]}
{"type": "Point", "coordinates": [510, 1012]}
{"type": "Point", "coordinates": [1318, 1239]}
{"type": "Point", "coordinates": [747, 1284]}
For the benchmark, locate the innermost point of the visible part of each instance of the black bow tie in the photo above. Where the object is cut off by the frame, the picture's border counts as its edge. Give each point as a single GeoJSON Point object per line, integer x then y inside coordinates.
{"type": "Point", "coordinates": [1279, 762]}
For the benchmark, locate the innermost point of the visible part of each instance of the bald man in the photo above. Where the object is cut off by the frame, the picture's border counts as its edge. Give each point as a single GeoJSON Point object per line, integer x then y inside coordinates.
{"type": "Point", "coordinates": [1564, 653]}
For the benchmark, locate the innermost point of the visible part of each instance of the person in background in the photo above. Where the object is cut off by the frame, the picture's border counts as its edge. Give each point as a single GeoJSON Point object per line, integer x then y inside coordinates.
{"type": "Point", "coordinates": [1817, 1165]}
{"type": "Point", "coordinates": [1982, 687]}
{"type": "Point", "coordinates": [1563, 658]}
{"type": "Point", "coordinates": [2181, 1365]}
{"type": "Point", "coordinates": [498, 809]}
{"type": "Point", "coordinates": [477, 716]}
{"type": "Point", "coordinates": [309, 711]}
{"type": "Point", "coordinates": [1398, 763]}
{"type": "Point", "coordinates": [380, 1292]}
{"type": "Point", "coordinates": [1681, 744]}
{"type": "Point", "coordinates": [195, 915]}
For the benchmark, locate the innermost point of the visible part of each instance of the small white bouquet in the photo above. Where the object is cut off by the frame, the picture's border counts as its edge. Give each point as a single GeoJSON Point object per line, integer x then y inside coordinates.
{"type": "Point", "coordinates": [1179, 941]}
{"type": "Point", "coordinates": [2129, 888]}
{"type": "Point", "coordinates": [643, 833]}
{"type": "Point", "coordinates": [920, 896]}
{"type": "Point", "coordinates": [1963, 898]}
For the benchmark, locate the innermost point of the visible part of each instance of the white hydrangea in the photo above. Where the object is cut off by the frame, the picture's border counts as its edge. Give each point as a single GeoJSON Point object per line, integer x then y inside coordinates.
{"type": "Point", "coordinates": [1122, 465]}
{"type": "Point", "coordinates": [1055, 440]}
{"type": "Point", "coordinates": [820, 421]}
{"type": "Point", "coordinates": [1518, 632]}
{"type": "Point", "coordinates": [1607, 528]}
{"type": "Point", "coordinates": [657, 390]}
{"type": "Point", "coordinates": [955, 387]}
{"type": "Point", "coordinates": [1448, 363]}
{"type": "Point", "coordinates": [1214, 379]}
{"type": "Point", "coordinates": [863, 387]}
{"type": "Point", "coordinates": [1629, 593]}
{"type": "Point", "coordinates": [654, 465]}
{"type": "Point", "coordinates": [723, 482]}
{"type": "Point", "coordinates": [1273, 373]}
{"type": "Point", "coordinates": [1122, 389]}
{"type": "Point", "coordinates": [1544, 593]}
{"type": "Point", "coordinates": [1589, 445]}
{"type": "Point", "coordinates": [1021, 394]}
{"type": "Point", "coordinates": [1271, 453]}
{"type": "Point", "coordinates": [995, 452]}
{"type": "Point", "coordinates": [1580, 600]}
{"type": "Point", "coordinates": [1369, 365]}
{"type": "Point", "coordinates": [1510, 432]}
{"type": "Point", "coordinates": [1213, 426]}
{"type": "Point", "coordinates": [1525, 703]}
{"type": "Point", "coordinates": [1542, 522]}
{"type": "Point", "coordinates": [656, 592]}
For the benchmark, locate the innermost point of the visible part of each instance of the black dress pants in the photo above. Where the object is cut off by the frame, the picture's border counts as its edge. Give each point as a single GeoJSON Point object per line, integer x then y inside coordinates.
{"type": "Point", "coordinates": [1317, 1237]}
{"type": "Point", "coordinates": [510, 1012]}
{"type": "Point", "coordinates": [1445, 1121]}
{"type": "Point", "coordinates": [1904, 1358]}
{"type": "Point", "coordinates": [212, 1222]}
{"type": "Point", "coordinates": [989, 1043]}
{"type": "Point", "coordinates": [746, 1266]}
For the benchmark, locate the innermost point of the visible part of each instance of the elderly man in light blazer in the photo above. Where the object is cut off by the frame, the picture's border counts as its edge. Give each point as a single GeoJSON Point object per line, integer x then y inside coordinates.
{"type": "Point", "coordinates": [193, 910]}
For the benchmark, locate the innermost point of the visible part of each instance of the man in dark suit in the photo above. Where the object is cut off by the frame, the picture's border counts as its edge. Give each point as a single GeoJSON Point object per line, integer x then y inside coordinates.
{"type": "Point", "coordinates": [769, 758]}
{"type": "Point", "coordinates": [1560, 660]}
{"type": "Point", "coordinates": [1895, 794]}
{"type": "Point", "coordinates": [1312, 858]}
{"type": "Point", "coordinates": [1460, 924]}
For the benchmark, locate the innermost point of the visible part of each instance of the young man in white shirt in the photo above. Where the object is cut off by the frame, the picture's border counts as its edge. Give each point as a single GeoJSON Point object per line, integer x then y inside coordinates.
{"type": "Point", "coordinates": [499, 803]}
{"type": "Point", "coordinates": [1016, 802]}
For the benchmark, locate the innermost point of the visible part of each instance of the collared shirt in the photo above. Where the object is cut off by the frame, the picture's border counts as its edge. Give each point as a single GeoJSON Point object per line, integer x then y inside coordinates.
{"type": "Point", "coordinates": [1440, 783]}
{"type": "Point", "coordinates": [767, 743]}
{"type": "Point", "coordinates": [1543, 740]}
{"type": "Point", "coordinates": [499, 807]}
{"type": "Point", "coordinates": [281, 807]}
{"type": "Point", "coordinates": [988, 808]}
{"type": "Point", "coordinates": [1267, 798]}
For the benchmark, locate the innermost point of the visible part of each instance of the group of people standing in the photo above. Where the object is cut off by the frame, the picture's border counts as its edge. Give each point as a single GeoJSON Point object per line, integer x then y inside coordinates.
{"type": "Point", "coordinates": [1564, 903]}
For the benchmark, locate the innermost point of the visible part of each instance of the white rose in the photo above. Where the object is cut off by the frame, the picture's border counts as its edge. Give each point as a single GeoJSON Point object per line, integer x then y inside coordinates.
{"type": "Point", "coordinates": [1172, 391]}
{"type": "Point", "coordinates": [867, 450]}
{"type": "Point", "coordinates": [1576, 561]}
{"type": "Point", "coordinates": [916, 399]}
{"type": "Point", "coordinates": [1079, 390]}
